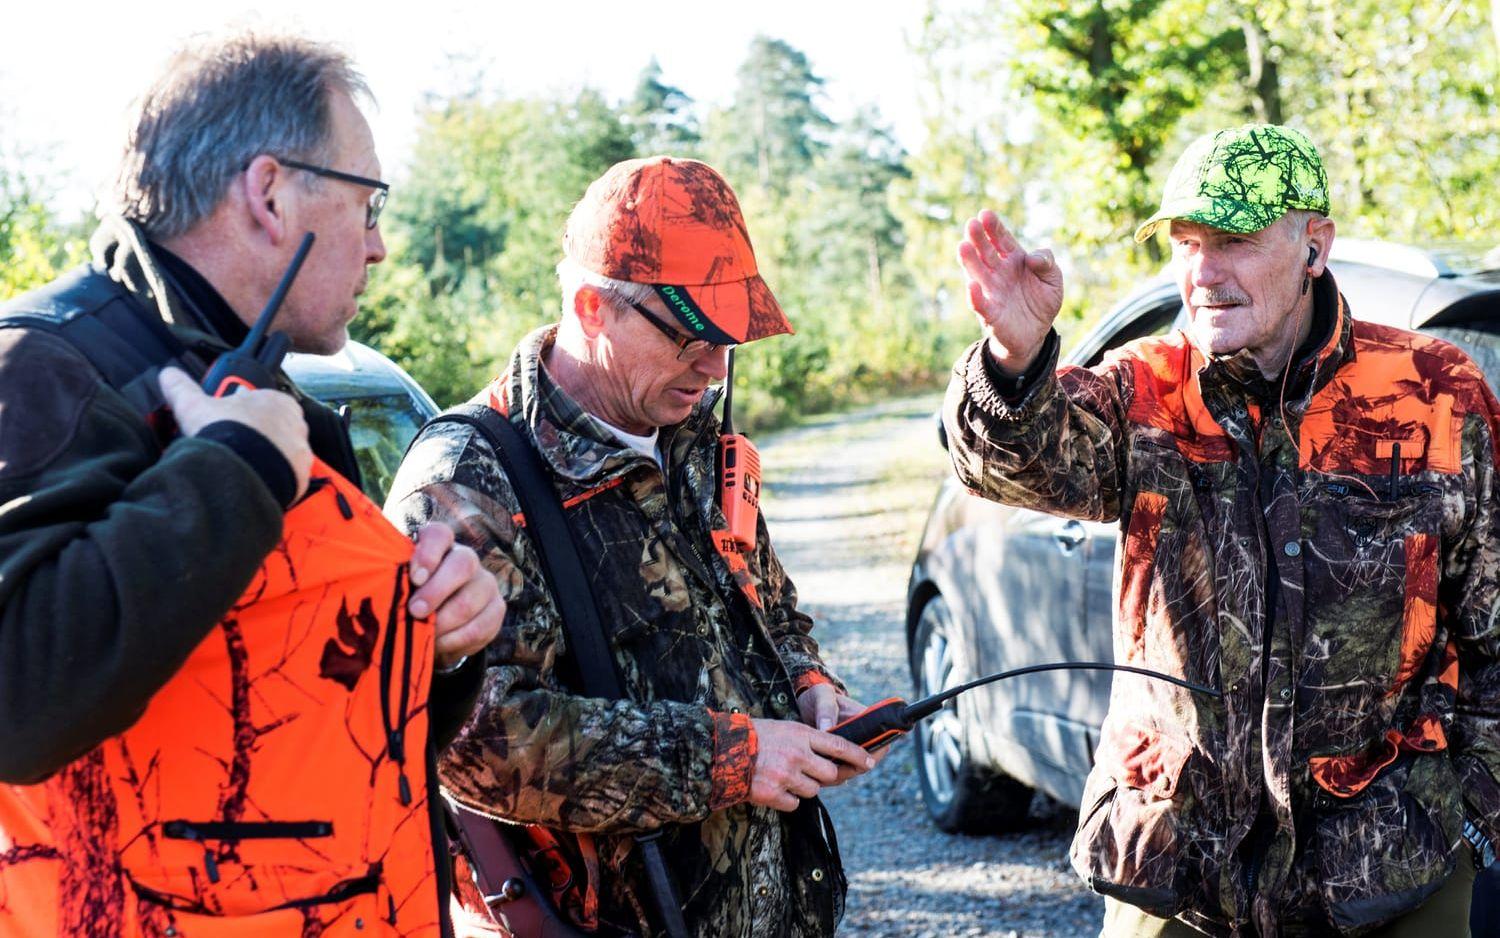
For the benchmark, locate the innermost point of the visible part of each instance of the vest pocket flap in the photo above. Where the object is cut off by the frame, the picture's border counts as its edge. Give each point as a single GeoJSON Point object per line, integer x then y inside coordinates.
{"type": "Point", "coordinates": [242, 890]}
{"type": "Point", "coordinates": [1345, 776]}
{"type": "Point", "coordinates": [1412, 447]}
{"type": "Point", "coordinates": [246, 830]}
{"type": "Point", "coordinates": [238, 868]}
{"type": "Point", "coordinates": [352, 915]}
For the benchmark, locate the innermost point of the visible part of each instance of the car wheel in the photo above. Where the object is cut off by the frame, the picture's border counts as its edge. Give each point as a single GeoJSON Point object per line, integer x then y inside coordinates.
{"type": "Point", "coordinates": [961, 796]}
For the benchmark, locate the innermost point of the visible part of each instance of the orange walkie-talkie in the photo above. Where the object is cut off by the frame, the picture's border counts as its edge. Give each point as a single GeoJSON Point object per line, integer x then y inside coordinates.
{"type": "Point", "coordinates": [254, 362]}
{"type": "Point", "coordinates": [739, 475]}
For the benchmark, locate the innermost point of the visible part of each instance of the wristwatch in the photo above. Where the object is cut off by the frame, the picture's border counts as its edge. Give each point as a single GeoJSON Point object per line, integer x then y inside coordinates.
{"type": "Point", "coordinates": [1484, 849]}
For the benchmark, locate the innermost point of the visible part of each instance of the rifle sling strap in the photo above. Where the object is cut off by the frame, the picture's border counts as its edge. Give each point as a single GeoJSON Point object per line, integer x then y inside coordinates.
{"type": "Point", "coordinates": [548, 528]}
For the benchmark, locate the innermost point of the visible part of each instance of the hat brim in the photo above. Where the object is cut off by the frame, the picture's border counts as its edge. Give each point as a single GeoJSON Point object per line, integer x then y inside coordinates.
{"type": "Point", "coordinates": [730, 313]}
{"type": "Point", "coordinates": [1223, 214]}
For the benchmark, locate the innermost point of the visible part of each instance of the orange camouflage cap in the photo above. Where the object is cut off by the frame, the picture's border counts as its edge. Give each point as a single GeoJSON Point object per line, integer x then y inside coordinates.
{"type": "Point", "coordinates": [675, 225]}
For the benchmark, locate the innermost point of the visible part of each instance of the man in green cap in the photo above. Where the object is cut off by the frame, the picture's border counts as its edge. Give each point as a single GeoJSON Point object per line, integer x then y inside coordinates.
{"type": "Point", "coordinates": [1308, 522]}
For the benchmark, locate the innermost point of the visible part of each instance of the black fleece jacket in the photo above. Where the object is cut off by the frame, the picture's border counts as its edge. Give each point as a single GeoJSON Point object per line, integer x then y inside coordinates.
{"type": "Point", "coordinates": [118, 556]}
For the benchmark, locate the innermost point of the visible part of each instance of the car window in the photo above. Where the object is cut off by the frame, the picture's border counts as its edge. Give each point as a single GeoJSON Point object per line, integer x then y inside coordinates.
{"type": "Point", "coordinates": [1157, 319]}
{"type": "Point", "coordinates": [380, 428]}
{"type": "Point", "coordinates": [1482, 346]}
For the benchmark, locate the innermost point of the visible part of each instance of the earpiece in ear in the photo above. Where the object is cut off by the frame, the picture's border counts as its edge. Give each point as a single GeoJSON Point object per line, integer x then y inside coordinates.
{"type": "Point", "coordinates": [1312, 254]}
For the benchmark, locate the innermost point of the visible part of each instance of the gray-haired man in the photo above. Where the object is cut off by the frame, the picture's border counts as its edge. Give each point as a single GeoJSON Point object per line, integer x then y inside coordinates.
{"type": "Point", "coordinates": [219, 666]}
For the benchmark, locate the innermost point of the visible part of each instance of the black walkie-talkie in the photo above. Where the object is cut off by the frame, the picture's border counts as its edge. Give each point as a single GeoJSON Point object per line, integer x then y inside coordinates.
{"type": "Point", "coordinates": [255, 361]}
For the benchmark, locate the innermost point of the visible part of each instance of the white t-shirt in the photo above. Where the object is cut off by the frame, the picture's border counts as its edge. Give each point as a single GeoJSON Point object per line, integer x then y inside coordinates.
{"type": "Point", "coordinates": [645, 445]}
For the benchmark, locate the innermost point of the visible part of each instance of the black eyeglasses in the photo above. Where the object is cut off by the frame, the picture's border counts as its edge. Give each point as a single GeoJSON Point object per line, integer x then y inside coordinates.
{"type": "Point", "coordinates": [687, 349]}
{"type": "Point", "coordinates": [373, 207]}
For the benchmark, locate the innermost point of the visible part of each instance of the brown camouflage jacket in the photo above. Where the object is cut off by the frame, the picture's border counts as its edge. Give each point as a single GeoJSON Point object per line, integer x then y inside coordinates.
{"type": "Point", "coordinates": [1360, 718]}
{"type": "Point", "coordinates": [704, 642]}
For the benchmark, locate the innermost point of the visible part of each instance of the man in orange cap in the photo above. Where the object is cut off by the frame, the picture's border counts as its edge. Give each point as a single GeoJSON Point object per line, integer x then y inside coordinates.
{"type": "Point", "coordinates": [720, 744]}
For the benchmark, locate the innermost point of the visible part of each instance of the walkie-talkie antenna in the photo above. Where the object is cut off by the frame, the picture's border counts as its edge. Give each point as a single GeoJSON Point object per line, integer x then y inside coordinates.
{"type": "Point", "coordinates": [728, 422]}
{"type": "Point", "coordinates": [263, 321]}
{"type": "Point", "coordinates": [254, 362]}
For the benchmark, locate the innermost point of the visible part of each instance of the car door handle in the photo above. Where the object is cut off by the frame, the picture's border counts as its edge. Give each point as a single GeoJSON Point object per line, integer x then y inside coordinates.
{"type": "Point", "coordinates": [1070, 535]}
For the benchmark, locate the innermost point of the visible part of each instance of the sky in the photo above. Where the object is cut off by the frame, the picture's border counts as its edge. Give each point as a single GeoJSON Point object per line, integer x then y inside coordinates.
{"type": "Point", "coordinates": [69, 70]}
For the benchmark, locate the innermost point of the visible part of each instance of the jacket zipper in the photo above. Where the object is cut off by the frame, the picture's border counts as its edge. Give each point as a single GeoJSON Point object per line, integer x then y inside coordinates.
{"type": "Point", "coordinates": [200, 832]}
{"type": "Point", "coordinates": [1261, 837]}
{"type": "Point", "coordinates": [393, 723]}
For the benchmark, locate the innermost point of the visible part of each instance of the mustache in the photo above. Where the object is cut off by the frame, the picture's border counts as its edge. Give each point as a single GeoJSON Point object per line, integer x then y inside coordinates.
{"type": "Point", "coordinates": [1213, 296]}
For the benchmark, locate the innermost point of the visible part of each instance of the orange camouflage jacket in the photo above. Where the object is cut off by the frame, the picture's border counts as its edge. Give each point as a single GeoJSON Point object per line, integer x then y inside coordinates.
{"type": "Point", "coordinates": [1325, 549]}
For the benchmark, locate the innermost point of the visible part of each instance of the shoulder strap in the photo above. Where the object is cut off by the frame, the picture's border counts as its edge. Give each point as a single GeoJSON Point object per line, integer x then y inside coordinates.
{"type": "Point", "coordinates": [125, 345]}
{"type": "Point", "coordinates": [563, 571]}
{"type": "Point", "coordinates": [548, 527]}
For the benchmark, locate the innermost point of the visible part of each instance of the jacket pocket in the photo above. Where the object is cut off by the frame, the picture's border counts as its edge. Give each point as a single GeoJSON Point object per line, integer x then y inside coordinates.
{"type": "Point", "coordinates": [1133, 831]}
{"type": "Point", "coordinates": [1346, 775]}
{"type": "Point", "coordinates": [359, 916]}
{"type": "Point", "coordinates": [1371, 578]}
{"type": "Point", "coordinates": [242, 868]}
{"type": "Point", "coordinates": [1388, 848]}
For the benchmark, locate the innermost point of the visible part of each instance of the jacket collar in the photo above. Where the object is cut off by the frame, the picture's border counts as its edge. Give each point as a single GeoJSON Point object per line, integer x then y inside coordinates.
{"type": "Point", "coordinates": [575, 445]}
{"type": "Point", "coordinates": [1313, 366]}
{"type": "Point", "coordinates": [121, 250]}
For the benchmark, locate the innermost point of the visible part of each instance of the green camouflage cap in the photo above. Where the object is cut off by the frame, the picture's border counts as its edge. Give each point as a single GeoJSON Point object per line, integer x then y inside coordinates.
{"type": "Point", "coordinates": [1242, 180]}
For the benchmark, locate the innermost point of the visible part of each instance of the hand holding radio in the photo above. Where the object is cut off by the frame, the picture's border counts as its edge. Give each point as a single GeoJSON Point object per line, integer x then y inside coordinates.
{"type": "Point", "coordinates": [794, 761]}
{"type": "Point", "coordinates": [241, 386]}
{"type": "Point", "coordinates": [272, 414]}
{"type": "Point", "coordinates": [822, 707]}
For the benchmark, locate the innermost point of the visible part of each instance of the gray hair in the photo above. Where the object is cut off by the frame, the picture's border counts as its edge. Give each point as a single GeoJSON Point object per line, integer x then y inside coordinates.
{"type": "Point", "coordinates": [1296, 220]}
{"type": "Point", "coordinates": [220, 104]}
{"type": "Point", "coordinates": [572, 276]}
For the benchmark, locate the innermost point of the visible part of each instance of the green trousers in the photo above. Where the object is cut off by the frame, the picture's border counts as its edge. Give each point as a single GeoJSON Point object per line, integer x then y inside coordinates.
{"type": "Point", "coordinates": [1446, 914]}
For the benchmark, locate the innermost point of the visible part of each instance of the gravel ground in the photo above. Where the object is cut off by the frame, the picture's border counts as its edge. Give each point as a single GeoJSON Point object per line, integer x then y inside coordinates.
{"type": "Point", "coordinates": [845, 499]}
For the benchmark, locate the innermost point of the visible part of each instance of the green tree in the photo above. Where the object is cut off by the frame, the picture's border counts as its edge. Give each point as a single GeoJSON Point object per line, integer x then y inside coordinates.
{"type": "Point", "coordinates": [1400, 97]}
{"type": "Point", "coordinates": [476, 231]}
{"type": "Point", "coordinates": [660, 116]}
{"type": "Point", "coordinates": [1112, 79]}
{"type": "Point", "coordinates": [774, 128]}
{"type": "Point", "coordinates": [35, 248]}
{"type": "Point", "coordinates": [971, 157]}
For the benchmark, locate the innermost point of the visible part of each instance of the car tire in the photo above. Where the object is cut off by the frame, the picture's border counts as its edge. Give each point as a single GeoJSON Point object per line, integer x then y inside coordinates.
{"type": "Point", "coordinates": [962, 797]}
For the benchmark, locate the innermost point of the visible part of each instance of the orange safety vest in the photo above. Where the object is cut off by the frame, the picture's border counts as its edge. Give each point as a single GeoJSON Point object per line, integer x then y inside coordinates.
{"type": "Point", "coordinates": [276, 785]}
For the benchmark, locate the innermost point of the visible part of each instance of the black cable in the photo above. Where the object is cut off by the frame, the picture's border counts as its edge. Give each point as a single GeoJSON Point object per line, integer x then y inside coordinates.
{"type": "Point", "coordinates": [930, 705]}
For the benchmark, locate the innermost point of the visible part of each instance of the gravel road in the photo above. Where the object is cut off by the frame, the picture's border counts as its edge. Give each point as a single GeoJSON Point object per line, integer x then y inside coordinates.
{"type": "Point", "coordinates": [845, 499]}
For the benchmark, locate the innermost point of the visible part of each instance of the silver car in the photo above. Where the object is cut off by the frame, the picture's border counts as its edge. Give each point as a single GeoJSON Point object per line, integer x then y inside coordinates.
{"type": "Point", "coordinates": [381, 405]}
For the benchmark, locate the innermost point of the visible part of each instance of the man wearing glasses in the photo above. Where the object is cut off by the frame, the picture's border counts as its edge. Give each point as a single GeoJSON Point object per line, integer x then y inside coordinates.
{"type": "Point", "coordinates": [720, 745]}
{"type": "Point", "coordinates": [221, 669]}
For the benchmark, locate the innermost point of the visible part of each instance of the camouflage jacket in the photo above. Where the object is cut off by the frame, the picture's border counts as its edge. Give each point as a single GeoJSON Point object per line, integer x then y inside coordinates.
{"type": "Point", "coordinates": [1331, 564]}
{"type": "Point", "coordinates": [704, 642]}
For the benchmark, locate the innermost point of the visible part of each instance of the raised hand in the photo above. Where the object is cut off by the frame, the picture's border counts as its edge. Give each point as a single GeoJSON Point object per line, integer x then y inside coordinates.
{"type": "Point", "coordinates": [1016, 294]}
